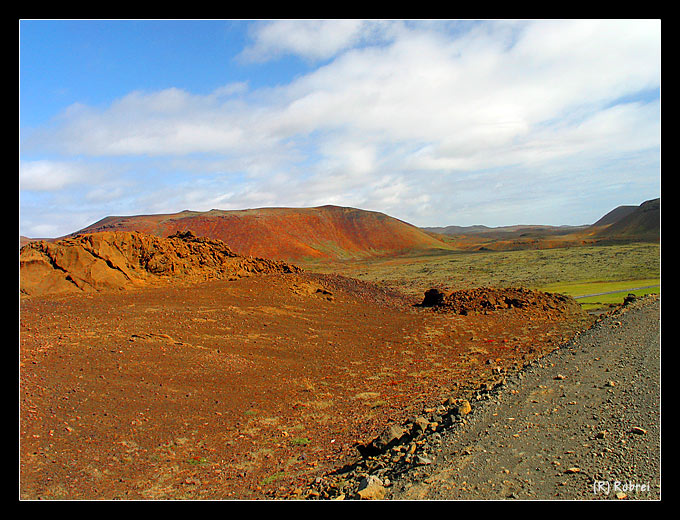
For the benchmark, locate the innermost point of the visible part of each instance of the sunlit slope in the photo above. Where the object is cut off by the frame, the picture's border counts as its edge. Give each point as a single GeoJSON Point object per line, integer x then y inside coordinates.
{"type": "Point", "coordinates": [293, 234]}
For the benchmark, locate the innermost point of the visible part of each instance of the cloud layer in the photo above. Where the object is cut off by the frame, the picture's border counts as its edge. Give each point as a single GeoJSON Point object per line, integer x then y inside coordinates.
{"type": "Point", "coordinates": [432, 125]}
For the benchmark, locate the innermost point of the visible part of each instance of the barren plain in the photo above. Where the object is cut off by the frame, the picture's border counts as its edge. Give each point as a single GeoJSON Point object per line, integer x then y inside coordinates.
{"type": "Point", "coordinates": [249, 388]}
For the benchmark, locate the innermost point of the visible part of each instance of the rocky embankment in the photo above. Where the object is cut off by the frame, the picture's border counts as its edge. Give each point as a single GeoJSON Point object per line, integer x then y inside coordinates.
{"type": "Point", "coordinates": [122, 260]}
{"type": "Point", "coordinates": [583, 422]}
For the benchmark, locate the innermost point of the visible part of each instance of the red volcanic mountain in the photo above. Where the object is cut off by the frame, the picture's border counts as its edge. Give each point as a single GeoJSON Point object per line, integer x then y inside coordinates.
{"type": "Point", "coordinates": [290, 234]}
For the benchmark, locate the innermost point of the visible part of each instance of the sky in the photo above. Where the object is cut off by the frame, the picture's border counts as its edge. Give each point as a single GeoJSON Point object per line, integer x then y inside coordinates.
{"type": "Point", "coordinates": [434, 122]}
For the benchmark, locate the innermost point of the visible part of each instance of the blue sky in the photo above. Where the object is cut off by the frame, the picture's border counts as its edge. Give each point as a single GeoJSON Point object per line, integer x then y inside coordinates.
{"type": "Point", "coordinates": [433, 122]}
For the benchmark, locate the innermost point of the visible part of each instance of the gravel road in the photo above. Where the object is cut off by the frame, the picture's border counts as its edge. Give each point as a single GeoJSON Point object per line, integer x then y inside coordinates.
{"type": "Point", "coordinates": [615, 292]}
{"type": "Point", "coordinates": [582, 423]}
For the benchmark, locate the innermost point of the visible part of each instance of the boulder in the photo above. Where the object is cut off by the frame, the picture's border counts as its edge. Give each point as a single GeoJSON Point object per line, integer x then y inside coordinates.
{"type": "Point", "coordinates": [388, 438]}
{"type": "Point", "coordinates": [433, 298]}
{"type": "Point", "coordinates": [371, 488]}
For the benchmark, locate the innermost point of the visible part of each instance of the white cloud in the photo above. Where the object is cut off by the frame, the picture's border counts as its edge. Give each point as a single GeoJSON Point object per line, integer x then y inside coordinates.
{"type": "Point", "coordinates": [168, 122]}
{"type": "Point", "coordinates": [105, 194]}
{"type": "Point", "coordinates": [465, 95]}
{"type": "Point", "coordinates": [395, 124]}
{"type": "Point", "coordinates": [310, 39]}
{"type": "Point", "coordinates": [47, 227]}
{"type": "Point", "coordinates": [230, 89]}
{"type": "Point", "coordinates": [46, 175]}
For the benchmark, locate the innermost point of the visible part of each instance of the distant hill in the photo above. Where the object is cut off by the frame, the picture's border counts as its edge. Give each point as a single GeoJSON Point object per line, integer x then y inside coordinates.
{"type": "Point", "coordinates": [504, 232]}
{"type": "Point", "coordinates": [289, 234]}
{"type": "Point", "coordinates": [623, 223]}
{"type": "Point", "coordinates": [458, 230]}
{"type": "Point", "coordinates": [642, 222]}
{"type": "Point", "coordinates": [615, 214]}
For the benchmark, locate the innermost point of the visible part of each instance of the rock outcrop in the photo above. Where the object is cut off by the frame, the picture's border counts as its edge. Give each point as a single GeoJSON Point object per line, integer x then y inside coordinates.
{"type": "Point", "coordinates": [123, 260]}
{"type": "Point", "coordinates": [486, 299]}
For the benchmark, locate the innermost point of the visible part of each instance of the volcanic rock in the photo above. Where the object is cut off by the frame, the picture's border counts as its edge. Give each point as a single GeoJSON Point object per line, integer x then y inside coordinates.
{"type": "Point", "coordinates": [371, 488]}
{"type": "Point", "coordinates": [486, 299]}
{"type": "Point", "coordinates": [463, 408]}
{"type": "Point", "coordinates": [389, 437]}
{"type": "Point", "coordinates": [122, 260]}
{"type": "Point", "coordinates": [433, 297]}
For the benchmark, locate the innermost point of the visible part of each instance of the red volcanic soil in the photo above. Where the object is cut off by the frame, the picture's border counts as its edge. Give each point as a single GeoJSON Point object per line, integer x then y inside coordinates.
{"type": "Point", "coordinates": [290, 234]}
{"type": "Point", "coordinates": [246, 388]}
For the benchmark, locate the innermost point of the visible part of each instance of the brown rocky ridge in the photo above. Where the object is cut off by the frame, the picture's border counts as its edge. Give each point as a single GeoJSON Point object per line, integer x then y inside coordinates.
{"type": "Point", "coordinates": [120, 260]}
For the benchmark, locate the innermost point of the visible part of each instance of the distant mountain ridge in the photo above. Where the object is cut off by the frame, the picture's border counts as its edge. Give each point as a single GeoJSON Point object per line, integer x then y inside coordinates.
{"type": "Point", "coordinates": [516, 230]}
{"type": "Point", "coordinates": [623, 222]}
{"type": "Point", "coordinates": [342, 233]}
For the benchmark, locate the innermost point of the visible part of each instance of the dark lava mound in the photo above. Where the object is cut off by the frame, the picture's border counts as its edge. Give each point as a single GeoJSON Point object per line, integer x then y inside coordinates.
{"type": "Point", "coordinates": [485, 299]}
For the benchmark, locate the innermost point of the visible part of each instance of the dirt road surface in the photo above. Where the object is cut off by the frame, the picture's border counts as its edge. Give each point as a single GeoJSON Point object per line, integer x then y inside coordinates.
{"type": "Point", "coordinates": [582, 423]}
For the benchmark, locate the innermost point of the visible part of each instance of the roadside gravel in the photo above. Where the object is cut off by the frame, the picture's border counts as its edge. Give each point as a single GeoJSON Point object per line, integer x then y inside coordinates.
{"type": "Point", "coordinates": [581, 423]}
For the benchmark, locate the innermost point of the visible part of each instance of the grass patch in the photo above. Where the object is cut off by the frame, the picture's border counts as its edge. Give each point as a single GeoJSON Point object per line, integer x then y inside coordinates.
{"type": "Point", "coordinates": [300, 441]}
{"type": "Point", "coordinates": [197, 461]}
{"type": "Point", "coordinates": [579, 289]}
{"type": "Point", "coordinates": [614, 298]}
{"type": "Point", "coordinates": [616, 291]}
{"type": "Point", "coordinates": [272, 478]}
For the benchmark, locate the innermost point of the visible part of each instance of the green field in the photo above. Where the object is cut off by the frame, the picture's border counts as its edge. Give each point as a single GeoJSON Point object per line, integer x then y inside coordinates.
{"type": "Point", "coordinates": [575, 271]}
{"type": "Point", "coordinates": [601, 294]}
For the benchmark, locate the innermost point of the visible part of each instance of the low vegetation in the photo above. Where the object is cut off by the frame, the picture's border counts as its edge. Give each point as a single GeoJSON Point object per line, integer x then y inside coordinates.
{"type": "Point", "coordinates": [576, 271]}
{"type": "Point", "coordinates": [613, 296]}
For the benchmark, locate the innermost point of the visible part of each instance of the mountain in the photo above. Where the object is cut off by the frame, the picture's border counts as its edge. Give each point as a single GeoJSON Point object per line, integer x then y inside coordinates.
{"type": "Point", "coordinates": [642, 222]}
{"type": "Point", "coordinates": [289, 234]}
{"type": "Point", "coordinates": [623, 223]}
{"type": "Point", "coordinates": [337, 233]}
{"type": "Point", "coordinates": [615, 214]}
